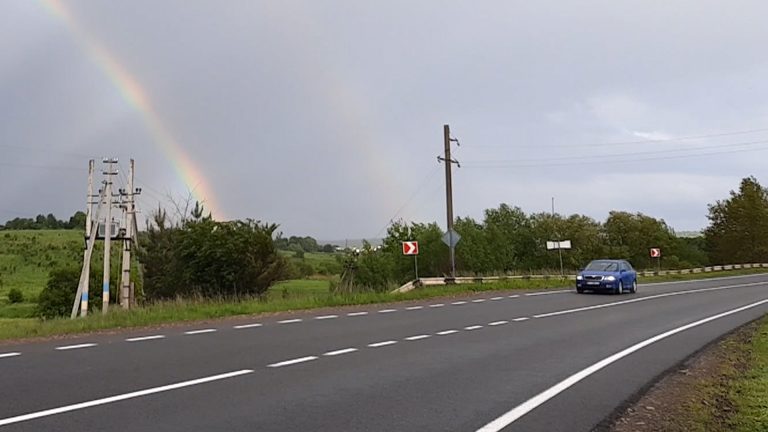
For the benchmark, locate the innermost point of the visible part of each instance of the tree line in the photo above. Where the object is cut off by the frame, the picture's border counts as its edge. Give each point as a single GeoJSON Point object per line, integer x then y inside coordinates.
{"type": "Point", "coordinates": [41, 222]}
{"type": "Point", "coordinates": [509, 241]}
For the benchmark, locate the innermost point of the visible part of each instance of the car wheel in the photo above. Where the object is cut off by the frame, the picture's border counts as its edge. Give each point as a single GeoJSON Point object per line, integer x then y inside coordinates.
{"type": "Point", "coordinates": [620, 288]}
{"type": "Point", "coordinates": [634, 287]}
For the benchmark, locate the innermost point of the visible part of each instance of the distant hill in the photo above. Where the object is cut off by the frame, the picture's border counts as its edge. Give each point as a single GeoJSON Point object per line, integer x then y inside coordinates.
{"type": "Point", "coordinates": [352, 243]}
{"type": "Point", "coordinates": [689, 234]}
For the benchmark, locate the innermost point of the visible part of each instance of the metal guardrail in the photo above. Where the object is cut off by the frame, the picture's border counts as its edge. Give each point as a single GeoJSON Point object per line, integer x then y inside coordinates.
{"type": "Point", "coordinates": [490, 279]}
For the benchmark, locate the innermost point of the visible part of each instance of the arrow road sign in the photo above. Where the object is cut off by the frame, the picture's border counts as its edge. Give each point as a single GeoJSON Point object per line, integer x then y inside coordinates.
{"type": "Point", "coordinates": [410, 248]}
{"type": "Point", "coordinates": [655, 252]}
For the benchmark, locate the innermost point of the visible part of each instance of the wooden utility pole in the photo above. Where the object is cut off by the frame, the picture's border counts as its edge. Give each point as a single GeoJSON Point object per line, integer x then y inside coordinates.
{"type": "Point", "coordinates": [449, 193]}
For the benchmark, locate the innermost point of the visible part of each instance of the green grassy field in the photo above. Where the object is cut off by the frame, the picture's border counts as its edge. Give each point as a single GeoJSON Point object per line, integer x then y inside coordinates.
{"type": "Point", "coordinates": [749, 391]}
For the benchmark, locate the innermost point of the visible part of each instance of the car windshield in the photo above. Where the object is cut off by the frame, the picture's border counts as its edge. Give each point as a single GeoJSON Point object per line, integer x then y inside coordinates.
{"type": "Point", "coordinates": [602, 266]}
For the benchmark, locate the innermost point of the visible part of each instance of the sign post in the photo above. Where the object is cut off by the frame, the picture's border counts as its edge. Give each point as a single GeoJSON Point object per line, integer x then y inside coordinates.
{"type": "Point", "coordinates": [559, 245]}
{"type": "Point", "coordinates": [656, 253]}
{"type": "Point", "coordinates": [412, 248]}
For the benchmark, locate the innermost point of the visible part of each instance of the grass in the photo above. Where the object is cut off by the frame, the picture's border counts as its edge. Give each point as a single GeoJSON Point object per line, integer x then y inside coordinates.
{"type": "Point", "coordinates": [749, 391]}
{"type": "Point", "coordinates": [26, 257]}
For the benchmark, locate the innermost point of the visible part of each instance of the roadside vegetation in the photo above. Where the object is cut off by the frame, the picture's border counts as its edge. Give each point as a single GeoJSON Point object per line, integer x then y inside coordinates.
{"type": "Point", "coordinates": [193, 267]}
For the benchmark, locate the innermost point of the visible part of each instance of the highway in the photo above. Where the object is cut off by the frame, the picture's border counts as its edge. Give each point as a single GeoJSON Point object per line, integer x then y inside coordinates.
{"type": "Point", "coordinates": [512, 361]}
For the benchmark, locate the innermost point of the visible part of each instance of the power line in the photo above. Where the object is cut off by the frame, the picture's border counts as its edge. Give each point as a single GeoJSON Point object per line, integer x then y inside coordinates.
{"type": "Point", "coordinates": [419, 188]}
{"type": "Point", "coordinates": [597, 160]}
{"type": "Point", "coordinates": [618, 155]}
{"type": "Point", "coordinates": [621, 143]}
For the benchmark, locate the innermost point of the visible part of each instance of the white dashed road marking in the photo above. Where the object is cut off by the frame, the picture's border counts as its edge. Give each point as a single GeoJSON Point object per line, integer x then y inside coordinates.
{"type": "Point", "coordinates": [10, 354]}
{"type": "Point", "coordinates": [514, 296]}
{"type": "Point", "coordinates": [547, 293]}
{"type": "Point", "coordinates": [382, 344]}
{"type": "Point", "coordinates": [247, 326]}
{"type": "Point", "coordinates": [202, 331]}
{"type": "Point", "coordinates": [292, 362]}
{"type": "Point", "coordinates": [387, 310]}
{"type": "Point", "coordinates": [474, 327]}
{"type": "Point", "coordinates": [145, 338]}
{"type": "Point", "coordinates": [498, 323]}
{"type": "Point", "coordinates": [478, 300]}
{"type": "Point", "coordinates": [325, 317]}
{"type": "Point", "coordinates": [437, 305]}
{"type": "Point", "coordinates": [521, 319]}
{"type": "Point", "coordinates": [290, 321]}
{"type": "Point", "coordinates": [417, 337]}
{"type": "Point", "coordinates": [497, 298]}
{"type": "Point", "coordinates": [411, 308]}
{"type": "Point", "coordinates": [354, 314]}
{"type": "Point", "coordinates": [340, 352]}
{"type": "Point", "coordinates": [456, 303]}
{"type": "Point", "coordinates": [447, 332]}
{"type": "Point", "coordinates": [72, 347]}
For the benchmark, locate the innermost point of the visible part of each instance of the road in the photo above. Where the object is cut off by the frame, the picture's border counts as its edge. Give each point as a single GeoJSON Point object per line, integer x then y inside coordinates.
{"type": "Point", "coordinates": [512, 361]}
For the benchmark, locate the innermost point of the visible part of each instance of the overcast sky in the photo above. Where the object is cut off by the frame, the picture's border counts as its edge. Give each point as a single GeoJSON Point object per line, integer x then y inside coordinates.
{"type": "Point", "coordinates": [327, 116]}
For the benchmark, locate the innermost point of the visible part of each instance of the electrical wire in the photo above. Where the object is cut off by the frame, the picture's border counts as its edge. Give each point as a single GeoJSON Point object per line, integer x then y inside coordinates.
{"type": "Point", "coordinates": [420, 188]}
{"type": "Point", "coordinates": [619, 155]}
{"type": "Point", "coordinates": [621, 143]}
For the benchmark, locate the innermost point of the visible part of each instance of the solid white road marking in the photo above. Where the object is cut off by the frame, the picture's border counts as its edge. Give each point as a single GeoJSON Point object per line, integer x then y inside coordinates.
{"type": "Point", "coordinates": [474, 327]}
{"type": "Point", "coordinates": [547, 293]}
{"type": "Point", "coordinates": [195, 332]}
{"type": "Point", "coordinates": [512, 415]}
{"type": "Point", "coordinates": [497, 298]}
{"type": "Point", "coordinates": [290, 321]}
{"type": "Point", "coordinates": [10, 354]}
{"type": "Point", "coordinates": [417, 337]}
{"type": "Point", "coordinates": [325, 317]}
{"type": "Point", "coordinates": [387, 310]}
{"type": "Point", "coordinates": [247, 326]}
{"type": "Point", "coordinates": [447, 332]}
{"type": "Point", "coordinates": [145, 338]}
{"type": "Point", "coordinates": [635, 300]}
{"type": "Point", "coordinates": [112, 399]}
{"type": "Point", "coordinates": [354, 314]}
{"type": "Point", "coordinates": [456, 303]}
{"type": "Point", "coordinates": [521, 319]}
{"type": "Point", "coordinates": [498, 323]}
{"type": "Point", "coordinates": [292, 362]}
{"type": "Point", "coordinates": [437, 305]}
{"type": "Point", "coordinates": [71, 347]}
{"type": "Point", "coordinates": [340, 352]}
{"type": "Point", "coordinates": [414, 308]}
{"type": "Point", "coordinates": [382, 344]}
{"type": "Point", "coordinates": [478, 300]}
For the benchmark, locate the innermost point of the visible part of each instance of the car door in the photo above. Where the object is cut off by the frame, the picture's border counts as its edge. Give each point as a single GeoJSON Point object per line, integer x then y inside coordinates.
{"type": "Point", "coordinates": [628, 275]}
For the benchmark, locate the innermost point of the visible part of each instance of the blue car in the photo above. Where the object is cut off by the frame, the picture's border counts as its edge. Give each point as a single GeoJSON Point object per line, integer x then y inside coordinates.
{"type": "Point", "coordinates": [616, 276]}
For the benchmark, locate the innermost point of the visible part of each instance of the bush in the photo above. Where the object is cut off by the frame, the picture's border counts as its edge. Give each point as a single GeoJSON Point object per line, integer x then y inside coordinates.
{"type": "Point", "coordinates": [58, 295]}
{"type": "Point", "coordinates": [15, 296]}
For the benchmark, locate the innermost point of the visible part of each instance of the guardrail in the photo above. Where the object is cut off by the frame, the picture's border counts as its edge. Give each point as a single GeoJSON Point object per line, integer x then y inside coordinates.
{"type": "Point", "coordinates": [490, 279]}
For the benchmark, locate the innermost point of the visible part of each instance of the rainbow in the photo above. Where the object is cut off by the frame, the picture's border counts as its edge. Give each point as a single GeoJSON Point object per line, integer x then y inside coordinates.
{"type": "Point", "coordinates": [135, 95]}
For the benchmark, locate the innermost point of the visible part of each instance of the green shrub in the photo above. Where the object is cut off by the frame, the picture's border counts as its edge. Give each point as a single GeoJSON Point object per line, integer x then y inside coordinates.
{"type": "Point", "coordinates": [58, 295]}
{"type": "Point", "coordinates": [15, 296]}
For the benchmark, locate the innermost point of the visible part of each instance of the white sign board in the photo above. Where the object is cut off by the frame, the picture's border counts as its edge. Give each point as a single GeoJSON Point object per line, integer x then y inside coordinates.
{"type": "Point", "coordinates": [554, 245]}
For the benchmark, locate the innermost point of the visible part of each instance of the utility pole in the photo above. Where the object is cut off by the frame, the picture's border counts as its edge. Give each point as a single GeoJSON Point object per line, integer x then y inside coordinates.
{"type": "Point", "coordinates": [81, 297]}
{"type": "Point", "coordinates": [129, 214]}
{"type": "Point", "coordinates": [88, 222]}
{"type": "Point", "coordinates": [107, 232]}
{"type": "Point", "coordinates": [449, 192]}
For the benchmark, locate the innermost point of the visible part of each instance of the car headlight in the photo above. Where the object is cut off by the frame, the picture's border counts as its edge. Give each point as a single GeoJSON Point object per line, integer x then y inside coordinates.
{"type": "Point", "coordinates": [610, 278]}
{"type": "Point", "coordinates": [579, 277]}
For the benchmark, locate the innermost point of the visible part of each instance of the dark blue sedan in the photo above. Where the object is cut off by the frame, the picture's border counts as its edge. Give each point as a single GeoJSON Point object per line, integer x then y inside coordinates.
{"type": "Point", "coordinates": [614, 276]}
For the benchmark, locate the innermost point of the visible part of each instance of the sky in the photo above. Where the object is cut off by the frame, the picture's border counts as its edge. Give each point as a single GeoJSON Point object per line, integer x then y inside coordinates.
{"type": "Point", "coordinates": [327, 117]}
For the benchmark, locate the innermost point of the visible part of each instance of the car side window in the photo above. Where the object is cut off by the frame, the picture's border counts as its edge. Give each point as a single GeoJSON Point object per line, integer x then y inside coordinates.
{"type": "Point", "coordinates": [627, 266]}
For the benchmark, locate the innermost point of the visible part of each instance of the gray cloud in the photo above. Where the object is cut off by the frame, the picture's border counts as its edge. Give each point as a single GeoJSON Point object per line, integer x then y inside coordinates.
{"type": "Point", "coordinates": [326, 117]}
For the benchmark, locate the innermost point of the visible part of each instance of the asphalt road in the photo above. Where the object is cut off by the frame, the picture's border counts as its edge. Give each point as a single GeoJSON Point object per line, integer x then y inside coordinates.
{"type": "Point", "coordinates": [552, 361]}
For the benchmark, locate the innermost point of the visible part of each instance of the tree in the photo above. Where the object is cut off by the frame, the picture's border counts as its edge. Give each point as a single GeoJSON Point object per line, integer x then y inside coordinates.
{"type": "Point", "coordinates": [738, 230]}
{"type": "Point", "coordinates": [630, 236]}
